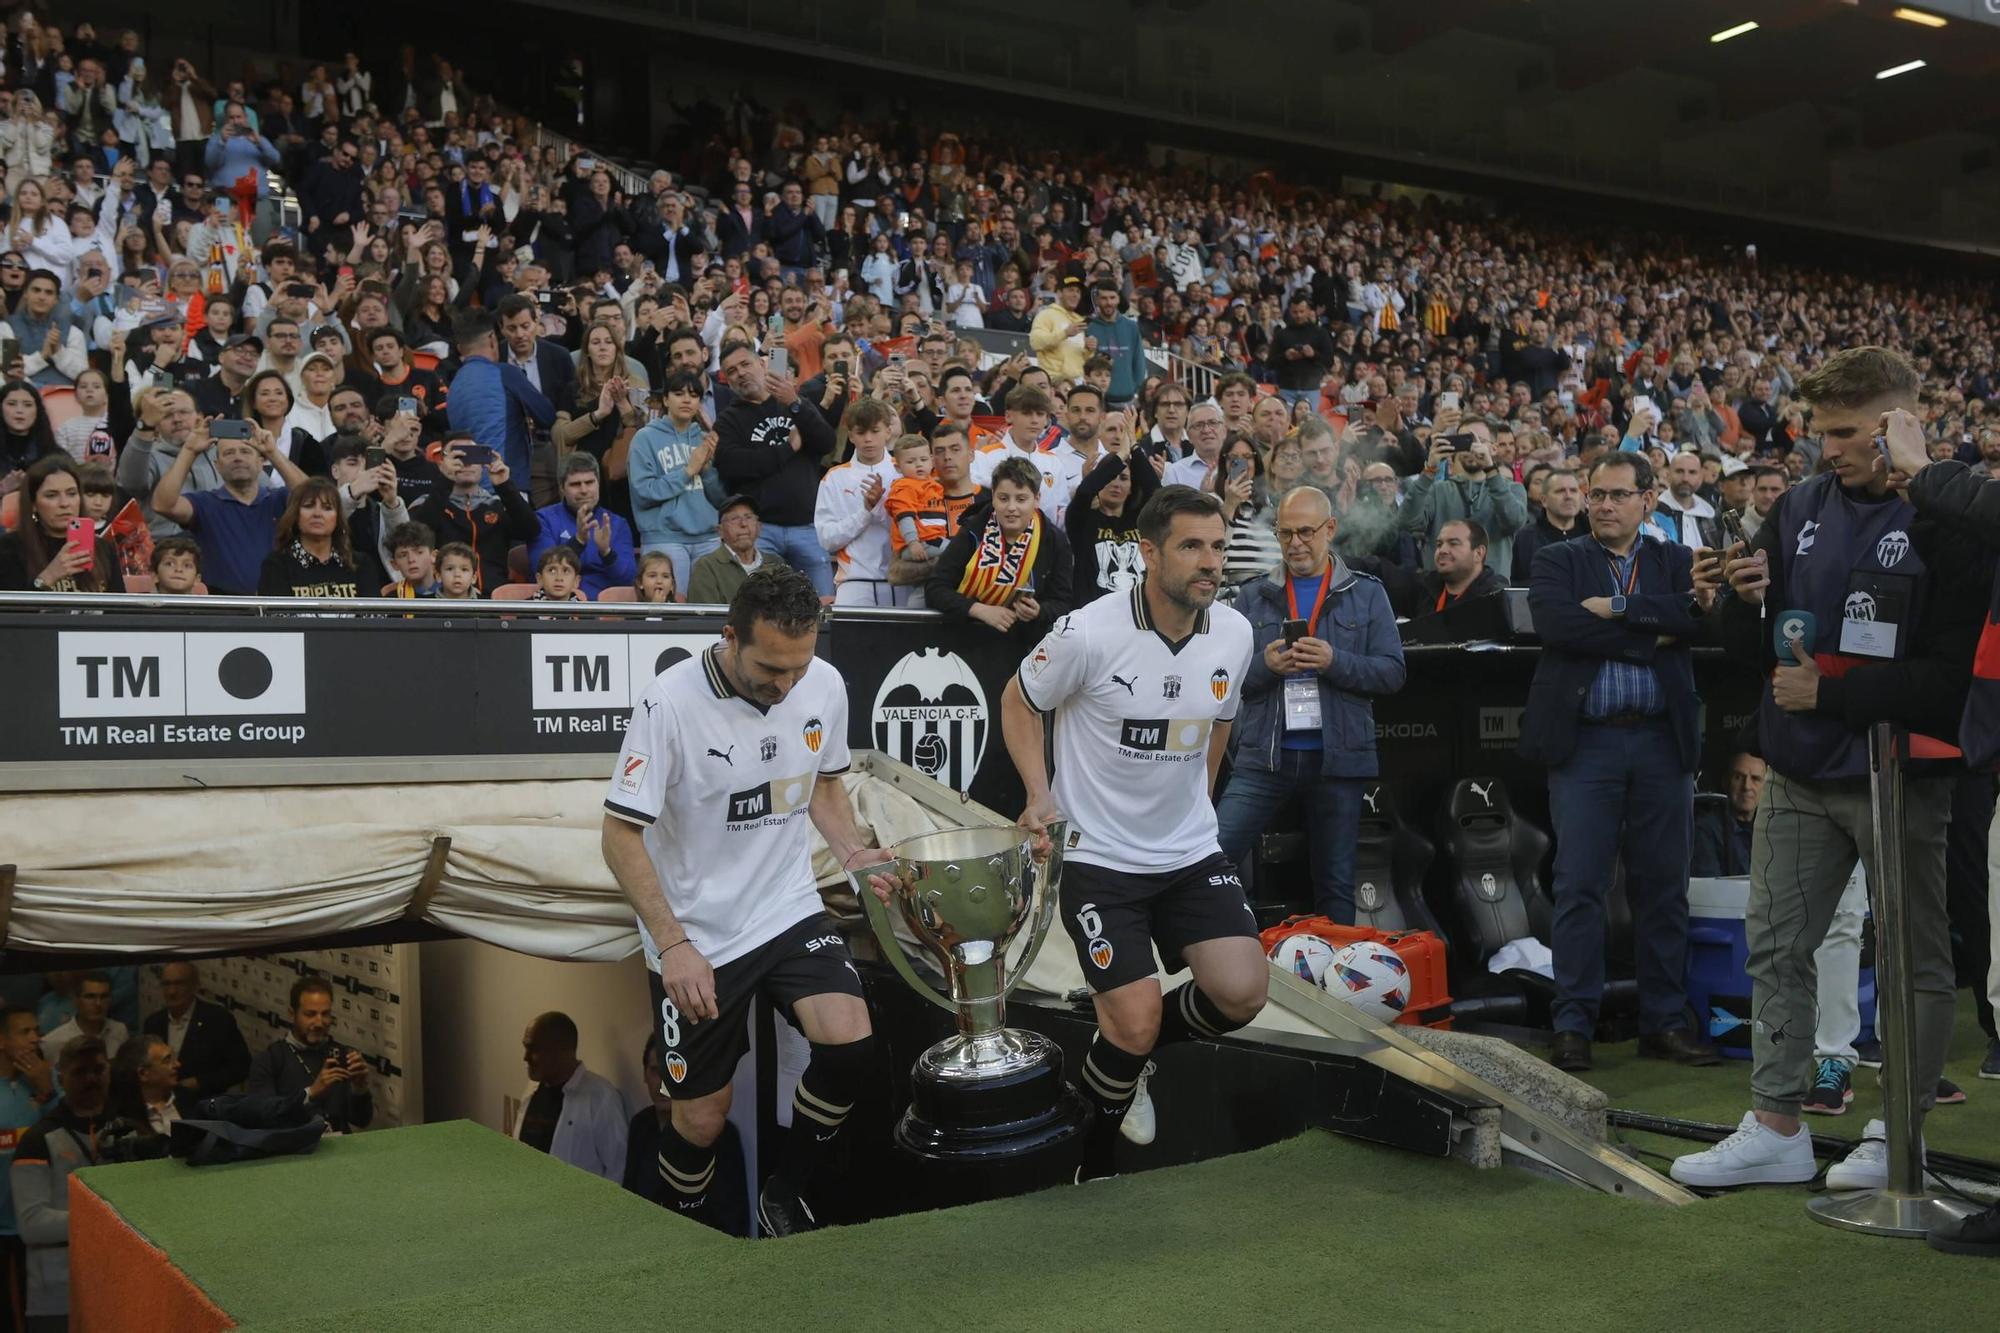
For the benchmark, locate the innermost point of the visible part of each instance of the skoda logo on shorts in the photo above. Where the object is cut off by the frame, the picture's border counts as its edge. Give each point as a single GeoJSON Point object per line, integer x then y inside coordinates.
{"type": "Point", "coordinates": [931, 714]}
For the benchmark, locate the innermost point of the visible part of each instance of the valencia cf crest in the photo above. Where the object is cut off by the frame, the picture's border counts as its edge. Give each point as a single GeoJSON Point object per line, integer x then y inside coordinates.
{"type": "Point", "coordinates": [813, 733]}
{"type": "Point", "coordinates": [1170, 687]}
{"type": "Point", "coordinates": [1218, 684]}
{"type": "Point", "coordinates": [1100, 954]}
{"type": "Point", "coordinates": [676, 1066]}
{"type": "Point", "coordinates": [767, 749]}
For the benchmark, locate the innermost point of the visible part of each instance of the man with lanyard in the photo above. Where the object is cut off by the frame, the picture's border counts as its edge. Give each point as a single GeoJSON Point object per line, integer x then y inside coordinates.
{"type": "Point", "coordinates": [1325, 648]}
{"type": "Point", "coordinates": [1613, 713]}
{"type": "Point", "coordinates": [1139, 692]}
{"type": "Point", "coordinates": [728, 757]}
{"type": "Point", "coordinates": [61, 1143]}
{"type": "Point", "coordinates": [1889, 602]}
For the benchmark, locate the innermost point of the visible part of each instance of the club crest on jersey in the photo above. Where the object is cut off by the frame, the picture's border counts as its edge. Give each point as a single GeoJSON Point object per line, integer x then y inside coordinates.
{"type": "Point", "coordinates": [1218, 684]}
{"type": "Point", "coordinates": [1170, 687]}
{"type": "Point", "coordinates": [767, 749]}
{"type": "Point", "coordinates": [1892, 548]}
{"type": "Point", "coordinates": [813, 733]}
{"type": "Point", "coordinates": [676, 1066]}
{"type": "Point", "coordinates": [1100, 954]}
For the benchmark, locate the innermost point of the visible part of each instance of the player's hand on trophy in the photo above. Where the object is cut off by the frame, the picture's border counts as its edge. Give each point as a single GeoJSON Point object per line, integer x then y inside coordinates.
{"type": "Point", "coordinates": [883, 884]}
{"type": "Point", "coordinates": [1036, 818]}
{"type": "Point", "coordinates": [688, 981]}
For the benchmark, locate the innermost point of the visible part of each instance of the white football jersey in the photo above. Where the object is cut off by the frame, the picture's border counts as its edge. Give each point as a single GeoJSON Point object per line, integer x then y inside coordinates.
{"type": "Point", "coordinates": [1132, 714]}
{"type": "Point", "coordinates": [1059, 479]}
{"type": "Point", "coordinates": [722, 788]}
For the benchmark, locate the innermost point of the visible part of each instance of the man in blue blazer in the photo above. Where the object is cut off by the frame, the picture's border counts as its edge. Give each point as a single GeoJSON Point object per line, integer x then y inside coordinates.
{"type": "Point", "coordinates": [1613, 713]}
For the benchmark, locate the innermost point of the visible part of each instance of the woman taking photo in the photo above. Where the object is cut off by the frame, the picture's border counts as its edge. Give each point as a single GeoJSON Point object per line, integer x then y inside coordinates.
{"type": "Point", "coordinates": [1249, 509]}
{"type": "Point", "coordinates": [314, 555]}
{"type": "Point", "coordinates": [267, 404]}
{"type": "Point", "coordinates": [40, 556]}
{"type": "Point", "coordinates": [603, 419]}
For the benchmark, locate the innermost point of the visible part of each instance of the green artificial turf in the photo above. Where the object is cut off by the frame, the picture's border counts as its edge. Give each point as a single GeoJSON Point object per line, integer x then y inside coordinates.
{"type": "Point", "coordinates": [450, 1227]}
{"type": "Point", "coordinates": [1721, 1095]}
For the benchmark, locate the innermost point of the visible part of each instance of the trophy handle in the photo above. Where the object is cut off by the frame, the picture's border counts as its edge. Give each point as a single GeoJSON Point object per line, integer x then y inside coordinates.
{"type": "Point", "coordinates": [892, 948]}
{"type": "Point", "coordinates": [1048, 880]}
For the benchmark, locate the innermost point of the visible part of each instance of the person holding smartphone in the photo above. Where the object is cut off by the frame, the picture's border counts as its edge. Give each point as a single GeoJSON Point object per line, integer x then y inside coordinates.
{"type": "Point", "coordinates": [57, 549]}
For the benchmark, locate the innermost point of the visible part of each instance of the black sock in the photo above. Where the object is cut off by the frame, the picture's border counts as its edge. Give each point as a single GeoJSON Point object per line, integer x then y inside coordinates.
{"type": "Point", "coordinates": [820, 1106]}
{"type": "Point", "coordinates": [1108, 1079]}
{"type": "Point", "coordinates": [688, 1173]}
{"type": "Point", "coordinates": [1187, 1013]}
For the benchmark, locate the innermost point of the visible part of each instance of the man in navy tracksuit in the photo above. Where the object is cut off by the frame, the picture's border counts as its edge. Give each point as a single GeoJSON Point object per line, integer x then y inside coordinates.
{"type": "Point", "coordinates": [1307, 720]}
{"type": "Point", "coordinates": [1613, 713]}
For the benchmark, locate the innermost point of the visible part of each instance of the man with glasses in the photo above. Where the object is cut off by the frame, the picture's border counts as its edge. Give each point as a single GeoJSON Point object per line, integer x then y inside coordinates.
{"type": "Point", "coordinates": [1168, 439]}
{"type": "Point", "coordinates": [1613, 713]}
{"type": "Point", "coordinates": [1206, 433]}
{"type": "Point", "coordinates": [1308, 720]}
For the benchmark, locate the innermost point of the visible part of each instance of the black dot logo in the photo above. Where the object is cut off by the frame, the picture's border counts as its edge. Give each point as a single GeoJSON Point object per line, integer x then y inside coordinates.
{"type": "Point", "coordinates": [671, 657]}
{"type": "Point", "coordinates": [245, 673]}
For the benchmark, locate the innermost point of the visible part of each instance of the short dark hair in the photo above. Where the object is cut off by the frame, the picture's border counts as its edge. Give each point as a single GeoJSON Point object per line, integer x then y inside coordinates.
{"type": "Point", "coordinates": [578, 462]}
{"type": "Point", "coordinates": [558, 1025]}
{"type": "Point", "coordinates": [79, 1050]}
{"type": "Point", "coordinates": [378, 334]}
{"type": "Point", "coordinates": [1027, 398]}
{"type": "Point", "coordinates": [777, 595]}
{"type": "Point", "coordinates": [1855, 376]}
{"type": "Point", "coordinates": [470, 328]}
{"type": "Point", "coordinates": [866, 414]}
{"type": "Point", "coordinates": [513, 304]}
{"type": "Point", "coordinates": [310, 984]}
{"type": "Point", "coordinates": [731, 346]}
{"type": "Point", "coordinates": [952, 372]}
{"type": "Point", "coordinates": [460, 549]}
{"type": "Point", "coordinates": [682, 381]}
{"type": "Point", "coordinates": [412, 536]}
{"type": "Point", "coordinates": [1156, 519]}
{"type": "Point", "coordinates": [1088, 388]}
{"type": "Point", "coordinates": [1019, 471]}
{"type": "Point", "coordinates": [175, 545]}
{"type": "Point", "coordinates": [559, 555]}
{"type": "Point", "coordinates": [1475, 531]}
{"type": "Point", "coordinates": [1642, 467]}
{"type": "Point", "coordinates": [99, 978]}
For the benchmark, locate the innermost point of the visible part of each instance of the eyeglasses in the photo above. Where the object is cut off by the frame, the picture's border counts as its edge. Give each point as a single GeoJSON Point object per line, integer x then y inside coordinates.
{"type": "Point", "coordinates": [13, 264]}
{"type": "Point", "coordinates": [1617, 497]}
{"type": "Point", "coordinates": [1286, 536]}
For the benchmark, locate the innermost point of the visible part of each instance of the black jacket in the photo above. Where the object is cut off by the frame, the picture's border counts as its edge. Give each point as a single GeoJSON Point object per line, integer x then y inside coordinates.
{"type": "Point", "coordinates": [294, 572]}
{"type": "Point", "coordinates": [502, 518]}
{"type": "Point", "coordinates": [284, 1069]}
{"type": "Point", "coordinates": [1086, 527]}
{"type": "Point", "coordinates": [1533, 538]}
{"type": "Point", "coordinates": [213, 1053]}
{"type": "Point", "coordinates": [1576, 643]}
{"type": "Point", "coordinates": [1305, 373]}
{"type": "Point", "coordinates": [754, 457]}
{"type": "Point", "coordinates": [1053, 569]}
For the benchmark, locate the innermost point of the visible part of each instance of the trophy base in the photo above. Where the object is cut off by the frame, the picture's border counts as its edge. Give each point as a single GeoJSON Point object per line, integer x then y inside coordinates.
{"type": "Point", "coordinates": [976, 1100]}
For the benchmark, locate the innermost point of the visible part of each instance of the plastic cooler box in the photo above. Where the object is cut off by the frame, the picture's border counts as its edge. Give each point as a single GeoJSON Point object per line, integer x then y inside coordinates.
{"type": "Point", "coordinates": [1421, 951]}
{"type": "Point", "coordinates": [1718, 958]}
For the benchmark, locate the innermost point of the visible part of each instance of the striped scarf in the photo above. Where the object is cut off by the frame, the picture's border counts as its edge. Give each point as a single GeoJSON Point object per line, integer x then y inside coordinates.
{"type": "Point", "coordinates": [1001, 568]}
{"type": "Point", "coordinates": [1437, 317]}
{"type": "Point", "coordinates": [1387, 321]}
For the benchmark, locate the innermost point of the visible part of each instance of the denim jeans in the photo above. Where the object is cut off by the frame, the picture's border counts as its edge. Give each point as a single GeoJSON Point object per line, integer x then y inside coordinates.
{"type": "Point", "coordinates": [1332, 816]}
{"type": "Point", "coordinates": [1622, 791]}
{"type": "Point", "coordinates": [798, 546]}
{"type": "Point", "coordinates": [682, 555]}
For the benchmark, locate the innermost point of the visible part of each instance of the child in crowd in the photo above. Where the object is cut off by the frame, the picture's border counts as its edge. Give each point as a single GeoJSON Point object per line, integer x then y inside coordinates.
{"type": "Point", "coordinates": [656, 579]}
{"type": "Point", "coordinates": [177, 566]}
{"type": "Point", "coordinates": [559, 576]}
{"type": "Point", "coordinates": [99, 494]}
{"type": "Point", "coordinates": [457, 571]}
{"type": "Point", "coordinates": [916, 499]}
{"type": "Point", "coordinates": [413, 553]}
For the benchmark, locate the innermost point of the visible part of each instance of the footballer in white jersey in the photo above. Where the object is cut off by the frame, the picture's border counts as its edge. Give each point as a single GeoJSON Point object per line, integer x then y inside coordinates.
{"type": "Point", "coordinates": [727, 757]}
{"type": "Point", "coordinates": [1140, 690]}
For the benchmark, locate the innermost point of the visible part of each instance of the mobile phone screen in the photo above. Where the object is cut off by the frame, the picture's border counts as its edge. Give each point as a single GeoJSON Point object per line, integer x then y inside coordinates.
{"type": "Point", "coordinates": [1294, 631]}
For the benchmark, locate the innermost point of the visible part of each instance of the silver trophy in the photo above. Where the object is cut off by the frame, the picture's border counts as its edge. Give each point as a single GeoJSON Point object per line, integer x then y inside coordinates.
{"type": "Point", "coordinates": [968, 896]}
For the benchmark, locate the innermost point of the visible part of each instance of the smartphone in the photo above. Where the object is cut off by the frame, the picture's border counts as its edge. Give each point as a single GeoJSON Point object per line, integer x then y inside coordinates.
{"type": "Point", "coordinates": [781, 361]}
{"type": "Point", "coordinates": [304, 291]}
{"type": "Point", "coordinates": [1732, 529]}
{"type": "Point", "coordinates": [229, 428]}
{"type": "Point", "coordinates": [346, 271]}
{"type": "Point", "coordinates": [1448, 401]}
{"type": "Point", "coordinates": [409, 407]}
{"type": "Point", "coordinates": [83, 537]}
{"type": "Point", "coordinates": [375, 457]}
{"type": "Point", "coordinates": [1294, 631]}
{"type": "Point", "coordinates": [587, 163]}
{"type": "Point", "coordinates": [840, 366]}
{"type": "Point", "coordinates": [1237, 467]}
{"type": "Point", "coordinates": [482, 454]}
{"type": "Point", "coordinates": [1461, 442]}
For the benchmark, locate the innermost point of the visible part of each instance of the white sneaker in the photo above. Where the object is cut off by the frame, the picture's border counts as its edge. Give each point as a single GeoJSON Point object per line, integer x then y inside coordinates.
{"type": "Point", "coordinates": [1754, 1155]}
{"type": "Point", "coordinates": [1141, 1121]}
{"type": "Point", "coordinates": [1867, 1167]}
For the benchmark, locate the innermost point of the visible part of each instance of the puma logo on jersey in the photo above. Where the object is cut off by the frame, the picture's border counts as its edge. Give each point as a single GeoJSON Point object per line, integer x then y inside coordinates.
{"type": "Point", "coordinates": [1483, 793]}
{"type": "Point", "coordinates": [714, 753]}
{"type": "Point", "coordinates": [1120, 680]}
{"type": "Point", "coordinates": [650, 706]}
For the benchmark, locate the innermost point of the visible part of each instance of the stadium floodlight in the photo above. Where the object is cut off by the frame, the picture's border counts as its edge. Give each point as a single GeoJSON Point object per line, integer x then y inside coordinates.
{"type": "Point", "coordinates": [1737, 31]}
{"type": "Point", "coordinates": [1909, 15]}
{"type": "Point", "coordinates": [1894, 70]}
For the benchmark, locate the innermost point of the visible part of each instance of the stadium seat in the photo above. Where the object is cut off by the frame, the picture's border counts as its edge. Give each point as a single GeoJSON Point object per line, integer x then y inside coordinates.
{"type": "Point", "coordinates": [59, 401]}
{"type": "Point", "coordinates": [514, 592]}
{"type": "Point", "coordinates": [1494, 860]}
{"type": "Point", "coordinates": [619, 594]}
{"type": "Point", "coordinates": [1391, 860]}
{"type": "Point", "coordinates": [518, 569]}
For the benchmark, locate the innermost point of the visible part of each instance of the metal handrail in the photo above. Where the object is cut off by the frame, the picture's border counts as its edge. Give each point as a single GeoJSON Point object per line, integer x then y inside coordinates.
{"type": "Point", "coordinates": [398, 608]}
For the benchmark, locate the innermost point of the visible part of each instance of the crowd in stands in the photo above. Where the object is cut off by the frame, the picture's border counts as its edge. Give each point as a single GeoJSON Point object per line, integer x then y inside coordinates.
{"type": "Point", "coordinates": [467, 351]}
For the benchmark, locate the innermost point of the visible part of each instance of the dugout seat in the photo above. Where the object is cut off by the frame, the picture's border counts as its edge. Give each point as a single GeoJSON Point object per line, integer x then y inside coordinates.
{"type": "Point", "coordinates": [1494, 859]}
{"type": "Point", "coordinates": [1391, 860]}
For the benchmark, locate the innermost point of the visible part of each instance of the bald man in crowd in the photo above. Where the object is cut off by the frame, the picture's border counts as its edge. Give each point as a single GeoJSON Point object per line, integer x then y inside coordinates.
{"type": "Point", "coordinates": [570, 1113]}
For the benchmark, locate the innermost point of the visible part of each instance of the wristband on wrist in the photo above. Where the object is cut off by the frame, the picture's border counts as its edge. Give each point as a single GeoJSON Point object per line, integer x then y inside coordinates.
{"type": "Point", "coordinates": [675, 945]}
